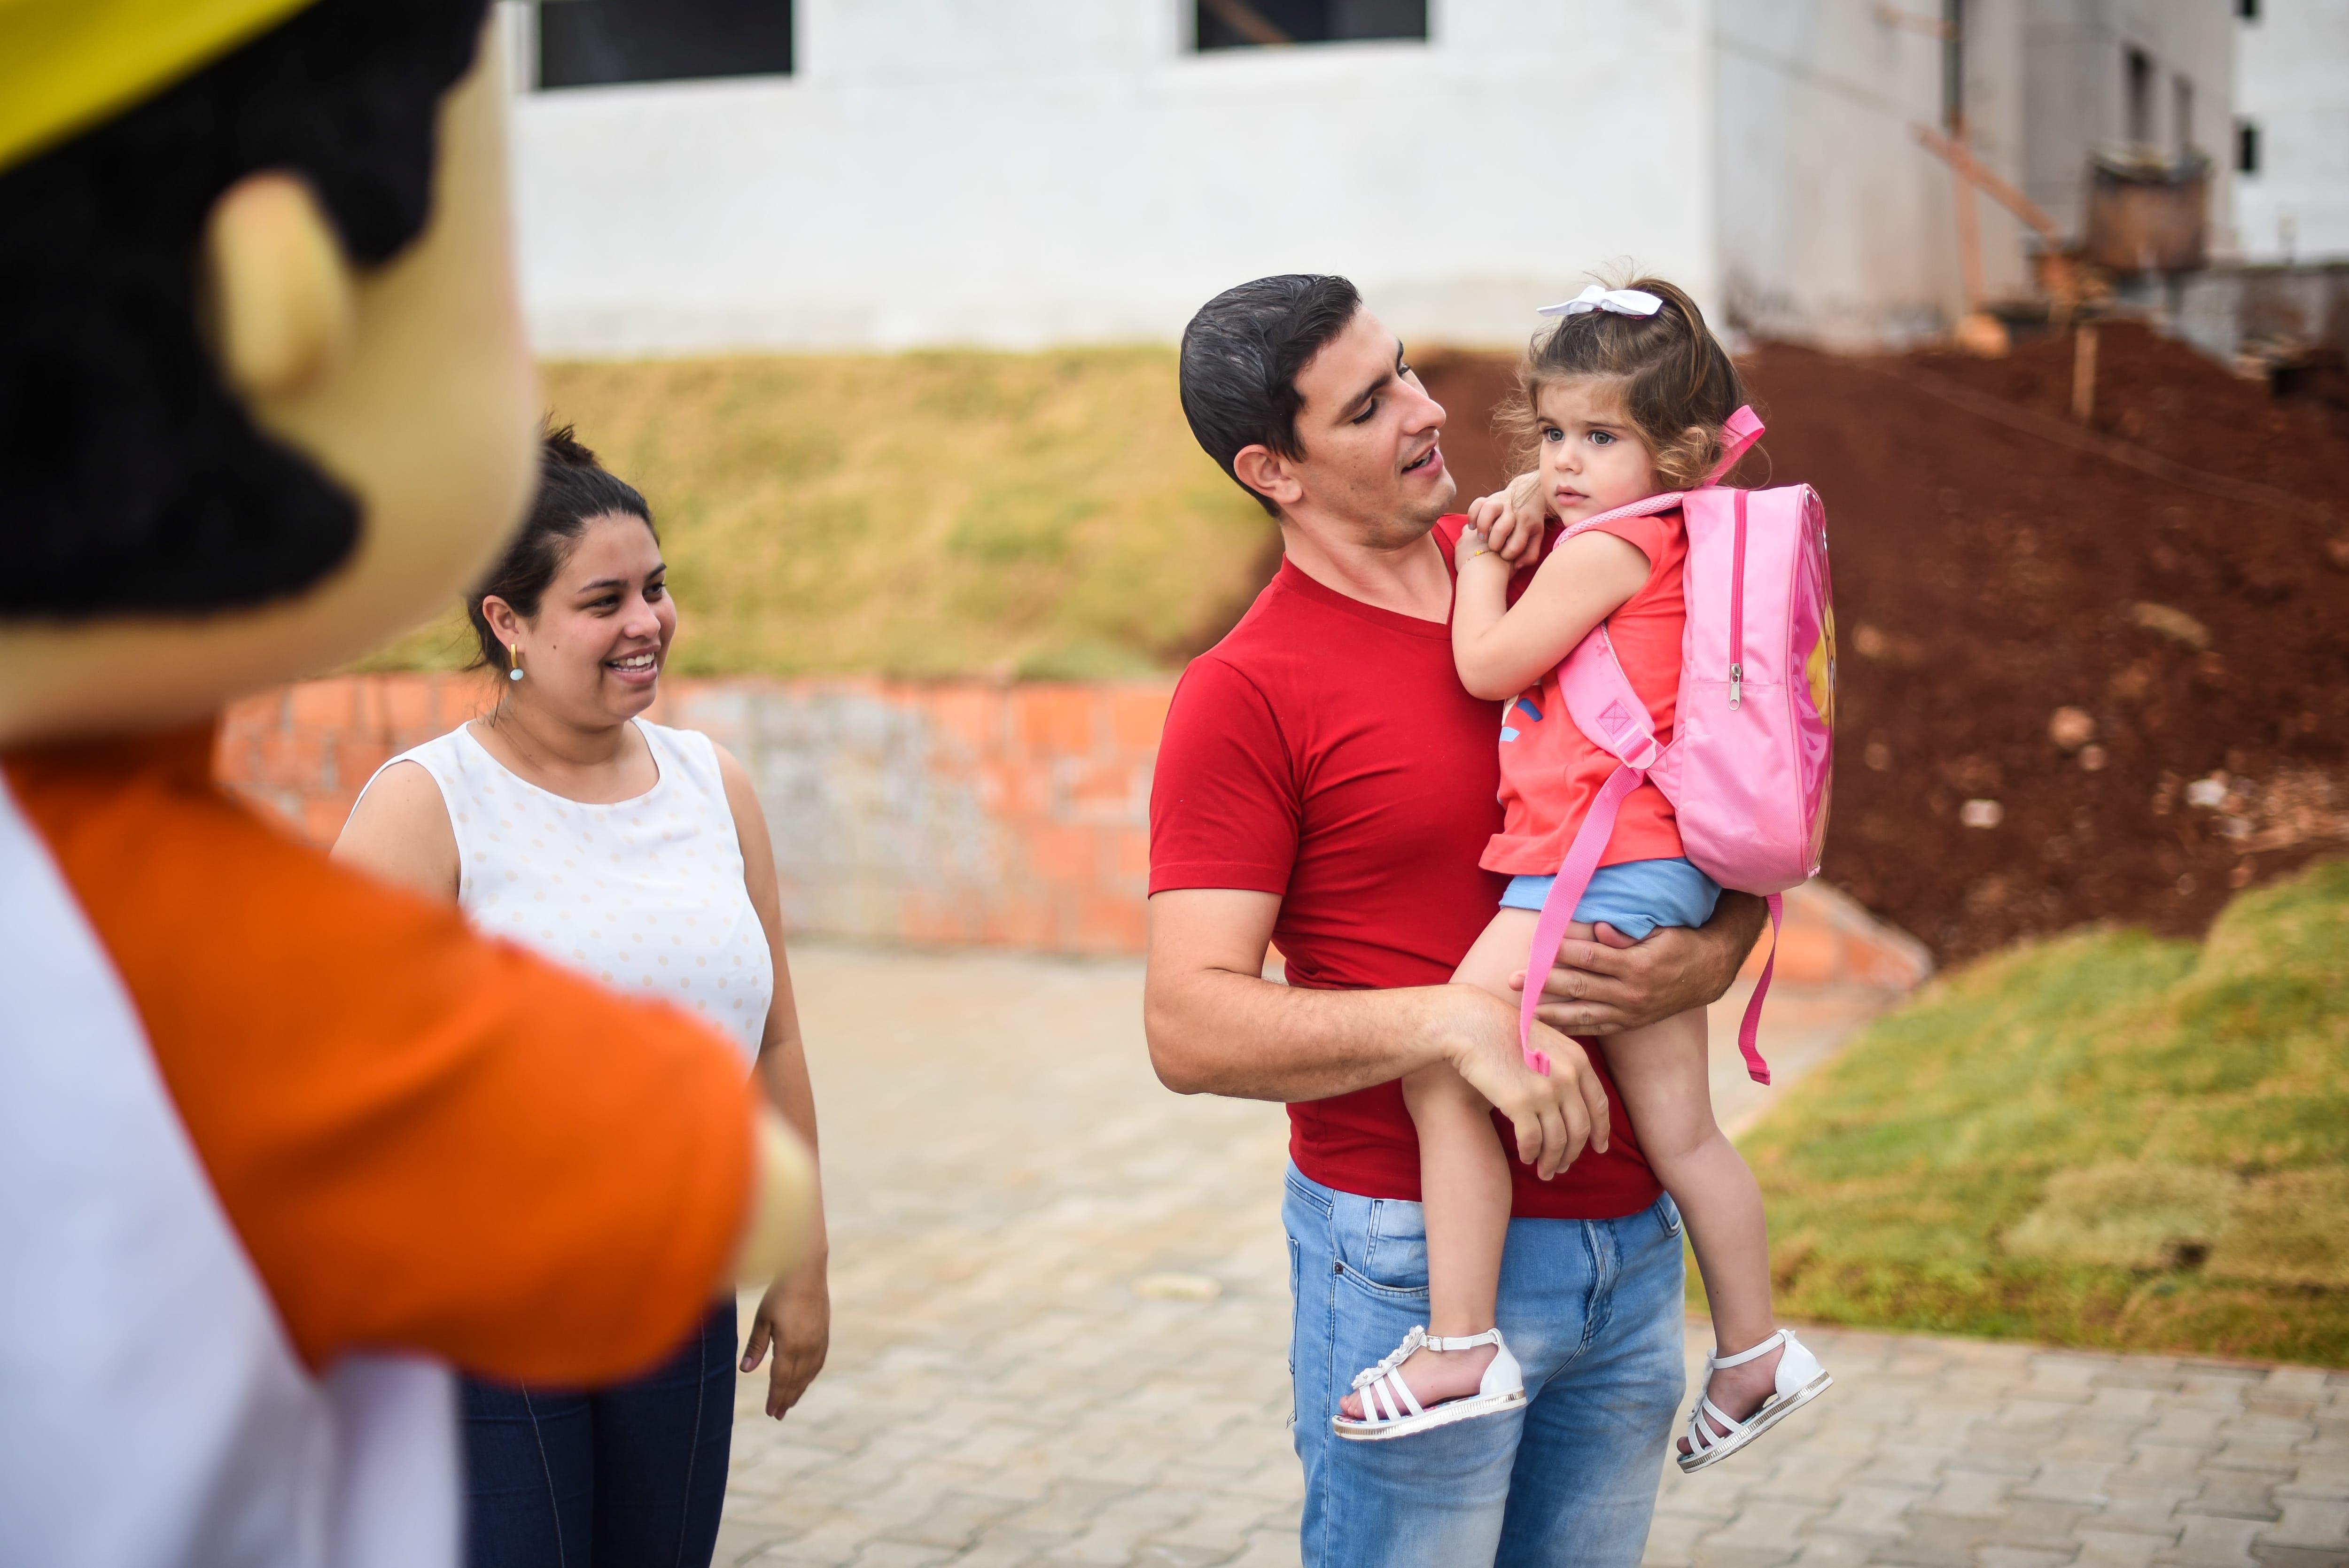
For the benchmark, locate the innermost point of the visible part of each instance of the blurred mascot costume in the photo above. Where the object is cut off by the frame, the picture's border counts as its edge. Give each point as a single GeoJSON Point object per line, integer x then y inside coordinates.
{"type": "Point", "coordinates": [279, 1145]}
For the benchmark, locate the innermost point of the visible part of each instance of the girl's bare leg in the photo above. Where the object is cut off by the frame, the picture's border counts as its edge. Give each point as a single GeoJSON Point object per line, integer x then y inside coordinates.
{"type": "Point", "coordinates": [1464, 1185]}
{"type": "Point", "coordinates": [1661, 1071]}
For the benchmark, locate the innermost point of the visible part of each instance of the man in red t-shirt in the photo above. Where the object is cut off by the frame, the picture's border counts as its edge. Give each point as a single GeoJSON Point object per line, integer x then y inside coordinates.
{"type": "Point", "coordinates": [1325, 784]}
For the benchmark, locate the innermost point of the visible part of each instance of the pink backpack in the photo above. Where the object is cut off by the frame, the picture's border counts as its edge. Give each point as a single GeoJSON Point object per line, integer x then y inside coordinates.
{"type": "Point", "coordinates": [1749, 766]}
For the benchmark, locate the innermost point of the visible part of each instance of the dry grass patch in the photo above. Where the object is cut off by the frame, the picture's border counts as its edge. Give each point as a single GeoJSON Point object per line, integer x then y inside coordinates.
{"type": "Point", "coordinates": [925, 514]}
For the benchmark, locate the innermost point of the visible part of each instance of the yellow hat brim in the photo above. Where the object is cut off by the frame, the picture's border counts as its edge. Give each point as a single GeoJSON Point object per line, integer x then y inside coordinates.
{"type": "Point", "coordinates": [66, 65]}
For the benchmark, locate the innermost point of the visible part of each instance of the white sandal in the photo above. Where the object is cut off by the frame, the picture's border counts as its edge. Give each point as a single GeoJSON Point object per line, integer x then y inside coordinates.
{"type": "Point", "coordinates": [1389, 1410]}
{"type": "Point", "coordinates": [1801, 1379]}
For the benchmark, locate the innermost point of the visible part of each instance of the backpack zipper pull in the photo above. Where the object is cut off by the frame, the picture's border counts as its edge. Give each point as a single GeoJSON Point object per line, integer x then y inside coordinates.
{"type": "Point", "coordinates": [1737, 680]}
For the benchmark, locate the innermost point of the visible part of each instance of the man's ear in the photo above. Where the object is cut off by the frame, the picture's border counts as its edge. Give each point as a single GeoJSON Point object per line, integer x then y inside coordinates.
{"type": "Point", "coordinates": [1267, 473]}
{"type": "Point", "coordinates": [276, 302]}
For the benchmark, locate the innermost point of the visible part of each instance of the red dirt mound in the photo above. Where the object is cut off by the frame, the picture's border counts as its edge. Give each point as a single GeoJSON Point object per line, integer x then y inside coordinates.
{"type": "Point", "coordinates": [2076, 684]}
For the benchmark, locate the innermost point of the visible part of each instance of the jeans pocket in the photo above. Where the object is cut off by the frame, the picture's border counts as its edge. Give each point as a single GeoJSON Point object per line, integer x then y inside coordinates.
{"type": "Point", "coordinates": [1386, 1255]}
{"type": "Point", "coordinates": [1668, 1215]}
{"type": "Point", "coordinates": [1407, 1293]}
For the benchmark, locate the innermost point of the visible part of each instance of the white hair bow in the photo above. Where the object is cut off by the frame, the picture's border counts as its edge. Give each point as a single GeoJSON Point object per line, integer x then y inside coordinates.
{"type": "Point", "coordinates": [1622, 302]}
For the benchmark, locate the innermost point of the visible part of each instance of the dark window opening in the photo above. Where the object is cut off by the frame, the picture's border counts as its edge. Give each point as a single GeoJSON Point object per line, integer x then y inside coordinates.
{"type": "Point", "coordinates": [1953, 67]}
{"type": "Point", "coordinates": [1253, 23]}
{"type": "Point", "coordinates": [2249, 10]}
{"type": "Point", "coordinates": [585, 43]}
{"type": "Point", "coordinates": [2247, 148]}
{"type": "Point", "coordinates": [2140, 97]}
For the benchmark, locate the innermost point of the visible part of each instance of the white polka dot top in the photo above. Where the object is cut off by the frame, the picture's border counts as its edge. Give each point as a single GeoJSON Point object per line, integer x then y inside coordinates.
{"type": "Point", "coordinates": [645, 895]}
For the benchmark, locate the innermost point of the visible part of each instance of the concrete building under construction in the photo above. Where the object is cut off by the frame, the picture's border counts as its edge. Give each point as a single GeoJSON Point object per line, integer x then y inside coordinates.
{"type": "Point", "coordinates": [703, 175]}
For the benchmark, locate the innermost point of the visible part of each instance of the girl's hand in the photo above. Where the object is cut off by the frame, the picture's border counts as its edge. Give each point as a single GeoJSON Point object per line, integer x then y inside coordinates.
{"type": "Point", "coordinates": [1512, 520]}
{"type": "Point", "coordinates": [794, 1317]}
{"type": "Point", "coordinates": [1471, 545]}
{"type": "Point", "coordinates": [1487, 510]}
{"type": "Point", "coordinates": [1520, 519]}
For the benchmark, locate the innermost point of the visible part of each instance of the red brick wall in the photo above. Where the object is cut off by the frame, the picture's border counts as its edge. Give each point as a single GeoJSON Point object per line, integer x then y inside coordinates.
{"type": "Point", "coordinates": [937, 812]}
{"type": "Point", "coordinates": [307, 750]}
{"type": "Point", "coordinates": [944, 812]}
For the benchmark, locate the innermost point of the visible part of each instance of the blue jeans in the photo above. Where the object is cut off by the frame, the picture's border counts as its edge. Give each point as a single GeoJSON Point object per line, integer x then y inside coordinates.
{"type": "Point", "coordinates": [629, 1476]}
{"type": "Point", "coordinates": [1591, 1308]}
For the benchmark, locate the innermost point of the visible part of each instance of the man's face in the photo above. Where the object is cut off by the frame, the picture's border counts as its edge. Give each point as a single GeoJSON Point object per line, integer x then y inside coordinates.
{"type": "Point", "coordinates": [1368, 430]}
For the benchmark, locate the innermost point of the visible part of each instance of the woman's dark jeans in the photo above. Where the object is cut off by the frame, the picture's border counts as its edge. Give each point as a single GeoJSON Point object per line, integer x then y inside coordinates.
{"type": "Point", "coordinates": [632, 1475]}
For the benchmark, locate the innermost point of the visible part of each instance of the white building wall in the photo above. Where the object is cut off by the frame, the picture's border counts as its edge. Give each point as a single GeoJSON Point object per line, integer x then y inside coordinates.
{"type": "Point", "coordinates": [1059, 170]}
{"type": "Point", "coordinates": [2292, 81]}
{"type": "Point", "coordinates": [1835, 224]}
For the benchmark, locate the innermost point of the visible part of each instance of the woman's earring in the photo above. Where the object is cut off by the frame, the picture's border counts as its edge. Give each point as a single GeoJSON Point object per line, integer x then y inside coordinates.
{"type": "Point", "coordinates": [513, 665]}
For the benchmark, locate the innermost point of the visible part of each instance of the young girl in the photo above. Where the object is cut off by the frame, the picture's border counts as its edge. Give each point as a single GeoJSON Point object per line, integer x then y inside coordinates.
{"type": "Point", "coordinates": [1624, 397]}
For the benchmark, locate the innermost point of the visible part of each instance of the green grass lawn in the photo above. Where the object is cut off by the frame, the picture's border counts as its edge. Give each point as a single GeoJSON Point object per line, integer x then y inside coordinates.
{"type": "Point", "coordinates": [2102, 1140]}
{"type": "Point", "coordinates": [1044, 515]}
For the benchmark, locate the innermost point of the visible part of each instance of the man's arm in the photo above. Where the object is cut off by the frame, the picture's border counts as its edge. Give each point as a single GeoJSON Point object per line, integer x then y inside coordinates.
{"type": "Point", "coordinates": [1599, 988]}
{"type": "Point", "coordinates": [1216, 1026]}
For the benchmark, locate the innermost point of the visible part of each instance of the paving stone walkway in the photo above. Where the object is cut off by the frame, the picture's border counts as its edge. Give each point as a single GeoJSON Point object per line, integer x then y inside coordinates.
{"type": "Point", "coordinates": [1062, 1300]}
{"type": "Point", "coordinates": [1949, 1453]}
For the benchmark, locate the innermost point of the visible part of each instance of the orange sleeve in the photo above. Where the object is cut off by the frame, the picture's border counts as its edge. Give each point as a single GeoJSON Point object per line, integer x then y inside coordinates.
{"type": "Point", "coordinates": [426, 1139]}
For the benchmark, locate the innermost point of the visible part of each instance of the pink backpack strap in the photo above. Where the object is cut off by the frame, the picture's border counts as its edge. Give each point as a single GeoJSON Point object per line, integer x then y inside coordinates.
{"type": "Point", "coordinates": [1750, 1026]}
{"type": "Point", "coordinates": [1604, 705]}
{"type": "Point", "coordinates": [1740, 431]}
{"type": "Point", "coordinates": [1663, 501]}
{"type": "Point", "coordinates": [1558, 909]}
{"type": "Point", "coordinates": [1601, 700]}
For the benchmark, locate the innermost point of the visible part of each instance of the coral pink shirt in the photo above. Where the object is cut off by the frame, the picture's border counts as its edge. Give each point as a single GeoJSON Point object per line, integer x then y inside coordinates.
{"type": "Point", "coordinates": [1550, 770]}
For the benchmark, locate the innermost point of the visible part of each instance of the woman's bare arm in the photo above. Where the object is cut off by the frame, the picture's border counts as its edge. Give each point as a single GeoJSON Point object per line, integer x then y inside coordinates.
{"type": "Point", "coordinates": [795, 1314]}
{"type": "Point", "coordinates": [401, 831]}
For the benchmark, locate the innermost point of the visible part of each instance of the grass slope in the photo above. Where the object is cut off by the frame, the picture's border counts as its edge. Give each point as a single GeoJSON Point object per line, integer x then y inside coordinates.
{"type": "Point", "coordinates": [2100, 1139]}
{"type": "Point", "coordinates": [1041, 515]}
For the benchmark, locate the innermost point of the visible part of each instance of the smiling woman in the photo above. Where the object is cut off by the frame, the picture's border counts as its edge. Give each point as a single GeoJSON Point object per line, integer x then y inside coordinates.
{"type": "Point", "coordinates": [590, 538]}
{"type": "Point", "coordinates": [636, 854]}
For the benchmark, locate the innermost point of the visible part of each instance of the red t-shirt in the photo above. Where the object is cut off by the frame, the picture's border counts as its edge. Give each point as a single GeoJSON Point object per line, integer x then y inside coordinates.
{"type": "Point", "coordinates": [1325, 751]}
{"type": "Point", "coordinates": [1551, 771]}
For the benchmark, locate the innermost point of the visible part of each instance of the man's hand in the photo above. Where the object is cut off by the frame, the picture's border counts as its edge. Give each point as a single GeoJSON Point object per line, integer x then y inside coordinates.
{"type": "Point", "coordinates": [1611, 983]}
{"type": "Point", "coordinates": [1554, 1117]}
{"type": "Point", "coordinates": [795, 1318]}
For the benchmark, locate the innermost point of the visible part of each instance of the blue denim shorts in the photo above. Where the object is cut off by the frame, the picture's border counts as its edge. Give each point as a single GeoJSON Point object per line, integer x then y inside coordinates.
{"type": "Point", "coordinates": [1634, 897]}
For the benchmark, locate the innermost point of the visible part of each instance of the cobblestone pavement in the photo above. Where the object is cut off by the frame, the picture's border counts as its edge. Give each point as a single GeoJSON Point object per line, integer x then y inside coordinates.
{"type": "Point", "coordinates": [1950, 1454]}
{"type": "Point", "coordinates": [1061, 1304]}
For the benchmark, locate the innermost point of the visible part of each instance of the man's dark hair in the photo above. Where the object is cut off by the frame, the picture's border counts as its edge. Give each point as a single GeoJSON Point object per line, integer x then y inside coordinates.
{"type": "Point", "coordinates": [573, 490]}
{"type": "Point", "coordinates": [1241, 355]}
{"type": "Point", "coordinates": [133, 480]}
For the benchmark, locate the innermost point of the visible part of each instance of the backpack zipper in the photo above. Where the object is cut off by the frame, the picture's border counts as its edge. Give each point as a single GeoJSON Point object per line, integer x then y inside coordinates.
{"type": "Point", "coordinates": [1737, 606]}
